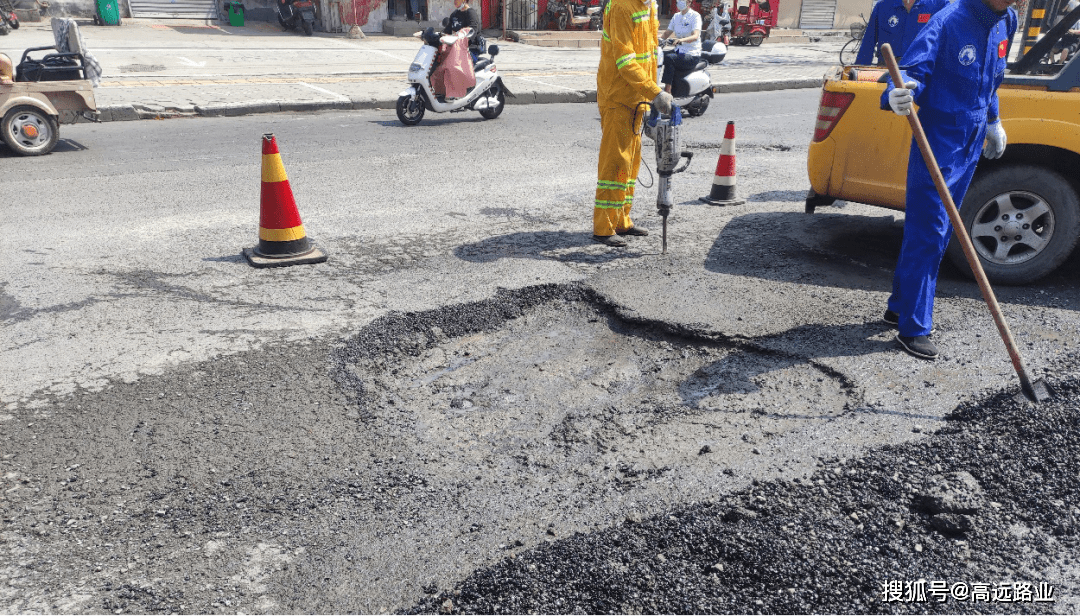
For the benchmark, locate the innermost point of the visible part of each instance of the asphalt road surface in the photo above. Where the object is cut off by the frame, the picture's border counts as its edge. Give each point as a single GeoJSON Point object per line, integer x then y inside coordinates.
{"type": "Point", "coordinates": [469, 378]}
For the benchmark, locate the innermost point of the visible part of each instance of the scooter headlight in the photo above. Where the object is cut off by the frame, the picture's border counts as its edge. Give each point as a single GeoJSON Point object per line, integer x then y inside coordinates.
{"type": "Point", "coordinates": [415, 66]}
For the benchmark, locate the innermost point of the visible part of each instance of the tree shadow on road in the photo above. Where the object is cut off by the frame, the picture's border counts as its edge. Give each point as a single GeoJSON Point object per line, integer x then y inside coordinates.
{"type": "Point", "coordinates": [790, 362]}
{"type": "Point", "coordinates": [562, 246]}
{"type": "Point", "coordinates": [858, 252]}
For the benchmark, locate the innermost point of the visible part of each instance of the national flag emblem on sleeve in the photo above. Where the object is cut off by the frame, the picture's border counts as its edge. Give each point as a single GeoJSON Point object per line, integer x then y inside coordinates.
{"type": "Point", "coordinates": [924, 17]}
{"type": "Point", "coordinates": [1003, 48]}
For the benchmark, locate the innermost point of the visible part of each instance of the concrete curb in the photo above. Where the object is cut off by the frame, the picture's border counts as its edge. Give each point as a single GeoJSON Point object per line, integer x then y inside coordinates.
{"type": "Point", "coordinates": [122, 113]}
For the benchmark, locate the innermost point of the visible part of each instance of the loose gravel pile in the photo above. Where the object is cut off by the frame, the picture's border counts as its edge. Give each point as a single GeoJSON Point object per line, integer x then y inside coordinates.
{"type": "Point", "coordinates": [985, 509]}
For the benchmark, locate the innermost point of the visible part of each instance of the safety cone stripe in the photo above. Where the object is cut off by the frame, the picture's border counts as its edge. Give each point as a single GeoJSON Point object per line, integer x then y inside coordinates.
{"type": "Point", "coordinates": [273, 170]}
{"type": "Point", "coordinates": [278, 209]}
{"type": "Point", "coordinates": [282, 235]}
{"type": "Point", "coordinates": [723, 180]}
{"type": "Point", "coordinates": [725, 165]}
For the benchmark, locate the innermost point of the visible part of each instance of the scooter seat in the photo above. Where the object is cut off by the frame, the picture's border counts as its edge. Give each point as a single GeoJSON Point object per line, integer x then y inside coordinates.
{"type": "Point", "coordinates": [481, 64]}
{"type": "Point", "coordinates": [701, 65]}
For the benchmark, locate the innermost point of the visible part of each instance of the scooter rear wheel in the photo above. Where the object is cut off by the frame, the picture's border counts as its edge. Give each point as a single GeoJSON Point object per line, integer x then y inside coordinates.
{"type": "Point", "coordinates": [490, 113]}
{"type": "Point", "coordinates": [410, 109]}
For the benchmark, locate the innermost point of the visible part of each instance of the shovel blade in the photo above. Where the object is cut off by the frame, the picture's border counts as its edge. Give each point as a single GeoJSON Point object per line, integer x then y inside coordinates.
{"type": "Point", "coordinates": [1037, 391]}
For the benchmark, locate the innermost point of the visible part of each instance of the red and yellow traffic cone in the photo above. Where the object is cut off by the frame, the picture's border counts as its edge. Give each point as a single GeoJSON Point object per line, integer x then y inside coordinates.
{"type": "Point", "coordinates": [282, 240]}
{"type": "Point", "coordinates": [723, 184]}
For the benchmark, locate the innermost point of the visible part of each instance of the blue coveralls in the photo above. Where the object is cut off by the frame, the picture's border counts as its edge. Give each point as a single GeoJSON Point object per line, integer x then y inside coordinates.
{"type": "Point", "coordinates": [958, 62]}
{"type": "Point", "coordinates": [891, 23]}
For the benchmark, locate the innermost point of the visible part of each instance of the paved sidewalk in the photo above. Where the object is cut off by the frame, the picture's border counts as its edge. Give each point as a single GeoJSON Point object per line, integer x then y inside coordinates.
{"type": "Point", "coordinates": [176, 68]}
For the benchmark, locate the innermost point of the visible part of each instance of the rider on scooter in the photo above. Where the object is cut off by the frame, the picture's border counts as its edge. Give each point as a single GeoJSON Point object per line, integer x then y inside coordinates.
{"type": "Point", "coordinates": [465, 17]}
{"type": "Point", "coordinates": [686, 26]}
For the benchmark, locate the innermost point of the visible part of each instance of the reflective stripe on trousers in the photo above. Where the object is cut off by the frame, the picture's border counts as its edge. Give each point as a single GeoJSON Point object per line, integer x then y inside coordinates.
{"type": "Point", "coordinates": [616, 174]}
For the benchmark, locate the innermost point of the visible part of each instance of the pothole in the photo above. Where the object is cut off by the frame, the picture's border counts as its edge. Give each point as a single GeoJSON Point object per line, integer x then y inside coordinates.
{"type": "Point", "coordinates": [554, 376]}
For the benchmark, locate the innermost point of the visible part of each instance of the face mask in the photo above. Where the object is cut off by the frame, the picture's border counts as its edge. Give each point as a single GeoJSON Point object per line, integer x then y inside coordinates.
{"type": "Point", "coordinates": [681, 4]}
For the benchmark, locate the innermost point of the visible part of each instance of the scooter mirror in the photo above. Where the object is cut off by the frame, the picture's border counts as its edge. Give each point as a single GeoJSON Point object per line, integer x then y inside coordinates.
{"type": "Point", "coordinates": [493, 50]}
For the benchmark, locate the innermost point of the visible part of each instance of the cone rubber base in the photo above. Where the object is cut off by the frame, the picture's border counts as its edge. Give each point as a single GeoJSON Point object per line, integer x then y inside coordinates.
{"type": "Point", "coordinates": [313, 256]}
{"type": "Point", "coordinates": [722, 201]}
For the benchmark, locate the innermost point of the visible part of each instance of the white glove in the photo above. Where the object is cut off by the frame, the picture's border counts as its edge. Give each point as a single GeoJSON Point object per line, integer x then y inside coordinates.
{"type": "Point", "coordinates": [662, 102]}
{"type": "Point", "coordinates": [995, 140]}
{"type": "Point", "coordinates": [901, 100]}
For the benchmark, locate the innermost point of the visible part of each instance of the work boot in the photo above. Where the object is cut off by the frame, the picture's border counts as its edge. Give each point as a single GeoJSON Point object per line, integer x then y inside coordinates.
{"type": "Point", "coordinates": [919, 346]}
{"type": "Point", "coordinates": [637, 231]}
{"type": "Point", "coordinates": [891, 318]}
{"type": "Point", "coordinates": [610, 240]}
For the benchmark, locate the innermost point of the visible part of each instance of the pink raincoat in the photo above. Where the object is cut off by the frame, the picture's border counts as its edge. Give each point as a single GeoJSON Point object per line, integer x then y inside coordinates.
{"type": "Point", "coordinates": [454, 75]}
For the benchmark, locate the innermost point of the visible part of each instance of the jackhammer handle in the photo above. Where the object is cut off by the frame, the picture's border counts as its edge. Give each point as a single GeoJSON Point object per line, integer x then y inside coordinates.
{"type": "Point", "coordinates": [687, 154]}
{"type": "Point", "coordinates": [958, 227]}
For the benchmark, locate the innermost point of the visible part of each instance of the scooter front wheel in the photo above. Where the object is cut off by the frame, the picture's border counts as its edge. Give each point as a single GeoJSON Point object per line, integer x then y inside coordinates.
{"type": "Point", "coordinates": [308, 27]}
{"type": "Point", "coordinates": [410, 109]}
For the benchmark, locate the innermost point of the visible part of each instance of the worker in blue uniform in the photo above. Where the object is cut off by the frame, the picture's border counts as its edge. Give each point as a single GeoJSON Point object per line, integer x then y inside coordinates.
{"type": "Point", "coordinates": [895, 22]}
{"type": "Point", "coordinates": [953, 69]}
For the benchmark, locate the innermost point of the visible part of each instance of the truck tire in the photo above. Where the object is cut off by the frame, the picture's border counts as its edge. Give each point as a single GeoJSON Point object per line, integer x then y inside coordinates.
{"type": "Point", "coordinates": [29, 131]}
{"type": "Point", "coordinates": [1034, 204]}
{"type": "Point", "coordinates": [756, 39]}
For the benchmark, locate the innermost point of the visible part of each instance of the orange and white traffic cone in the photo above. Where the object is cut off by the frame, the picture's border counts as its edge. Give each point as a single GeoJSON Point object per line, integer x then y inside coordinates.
{"type": "Point", "coordinates": [282, 240]}
{"type": "Point", "coordinates": [723, 184]}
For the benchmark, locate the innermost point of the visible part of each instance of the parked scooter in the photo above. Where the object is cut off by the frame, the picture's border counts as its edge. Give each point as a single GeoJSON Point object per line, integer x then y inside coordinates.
{"type": "Point", "coordinates": [8, 19]}
{"type": "Point", "coordinates": [488, 96]}
{"type": "Point", "coordinates": [291, 13]}
{"type": "Point", "coordinates": [693, 90]}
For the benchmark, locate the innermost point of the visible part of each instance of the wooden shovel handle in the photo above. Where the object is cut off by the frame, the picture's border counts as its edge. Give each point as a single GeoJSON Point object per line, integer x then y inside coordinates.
{"type": "Point", "coordinates": [958, 226]}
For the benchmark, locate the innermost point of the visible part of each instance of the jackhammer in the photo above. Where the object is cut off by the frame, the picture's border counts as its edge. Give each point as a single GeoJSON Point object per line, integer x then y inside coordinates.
{"type": "Point", "coordinates": [665, 133]}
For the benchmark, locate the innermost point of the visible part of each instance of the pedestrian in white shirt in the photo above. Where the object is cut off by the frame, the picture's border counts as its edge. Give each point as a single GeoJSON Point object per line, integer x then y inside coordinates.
{"type": "Point", "coordinates": [685, 26]}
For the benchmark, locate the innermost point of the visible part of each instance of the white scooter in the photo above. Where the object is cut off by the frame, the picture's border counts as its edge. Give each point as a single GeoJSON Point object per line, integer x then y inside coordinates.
{"type": "Point", "coordinates": [692, 91]}
{"type": "Point", "coordinates": [488, 96]}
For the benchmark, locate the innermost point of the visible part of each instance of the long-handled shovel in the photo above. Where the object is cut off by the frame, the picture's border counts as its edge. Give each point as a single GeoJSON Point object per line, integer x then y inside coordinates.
{"type": "Point", "coordinates": [1039, 390]}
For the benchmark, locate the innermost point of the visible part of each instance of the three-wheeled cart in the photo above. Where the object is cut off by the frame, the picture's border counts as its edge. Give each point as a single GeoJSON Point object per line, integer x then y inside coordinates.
{"type": "Point", "coordinates": [45, 91]}
{"type": "Point", "coordinates": [752, 22]}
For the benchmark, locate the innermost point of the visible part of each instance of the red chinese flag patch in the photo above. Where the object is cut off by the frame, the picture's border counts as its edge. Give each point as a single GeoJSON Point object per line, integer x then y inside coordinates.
{"type": "Point", "coordinates": [924, 17]}
{"type": "Point", "coordinates": [1003, 47]}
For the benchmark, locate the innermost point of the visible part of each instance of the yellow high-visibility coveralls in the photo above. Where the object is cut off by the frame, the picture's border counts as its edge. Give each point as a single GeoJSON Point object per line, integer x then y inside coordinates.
{"type": "Point", "coordinates": [626, 77]}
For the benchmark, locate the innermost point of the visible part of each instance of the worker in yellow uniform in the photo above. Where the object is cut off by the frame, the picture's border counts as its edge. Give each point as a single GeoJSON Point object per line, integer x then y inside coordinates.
{"type": "Point", "coordinates": [626, 79]}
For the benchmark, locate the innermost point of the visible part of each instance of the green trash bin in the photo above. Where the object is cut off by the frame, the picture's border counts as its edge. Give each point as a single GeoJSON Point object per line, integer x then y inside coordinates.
{"type": "Point", "coordinates": [108, 13]}
{"type": "Point", "coordinates": [236, 13]}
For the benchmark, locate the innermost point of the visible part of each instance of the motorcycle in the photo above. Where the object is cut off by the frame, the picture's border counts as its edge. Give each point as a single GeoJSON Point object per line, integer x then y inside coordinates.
{"type": "Point", "coordinates": [291, 13]}
{"type": "Point", "coordinates": [8, 19]}
{"type": "Point", "coordinates": [488, 95]}
{"type": "Point", "coordinates": [719, 28]}
{"type": "Point", "coordinates": [692, 91]}
{"type": "Point", "coordinates": [572, 14]}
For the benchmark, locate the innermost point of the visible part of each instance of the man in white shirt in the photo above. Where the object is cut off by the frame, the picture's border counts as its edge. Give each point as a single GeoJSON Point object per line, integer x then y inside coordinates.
{"type": "Point", "coordinates": [686, 28]}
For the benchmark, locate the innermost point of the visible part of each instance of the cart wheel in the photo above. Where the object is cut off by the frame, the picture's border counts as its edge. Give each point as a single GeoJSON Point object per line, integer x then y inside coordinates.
{"type": "Point", "coordinates": [29, 131]}
{"type": "Point", "coordinates": [756, 38]}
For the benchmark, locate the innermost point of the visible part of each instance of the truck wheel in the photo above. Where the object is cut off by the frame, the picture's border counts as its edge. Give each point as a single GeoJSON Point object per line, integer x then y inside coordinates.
{"type": "Point", "coordinates": [1024, 222]}
{"type": "Point", "coordinates": [756, 38]}
{"type": "Point", "coordinates": [410, 109]}
{"type": "Point", "coordinates": [30, 131]}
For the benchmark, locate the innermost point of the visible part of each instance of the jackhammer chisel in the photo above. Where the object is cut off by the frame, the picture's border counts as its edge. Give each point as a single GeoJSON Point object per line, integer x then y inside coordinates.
{"type": "Point", "coordinates": [665, 133]}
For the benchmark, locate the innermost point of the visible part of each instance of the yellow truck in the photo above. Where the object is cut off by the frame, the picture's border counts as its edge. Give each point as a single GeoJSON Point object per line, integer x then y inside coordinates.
{"type": "Point", "coordinates": [1022, 210]}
